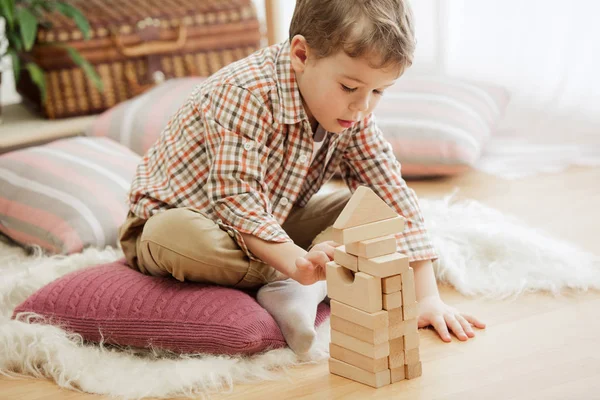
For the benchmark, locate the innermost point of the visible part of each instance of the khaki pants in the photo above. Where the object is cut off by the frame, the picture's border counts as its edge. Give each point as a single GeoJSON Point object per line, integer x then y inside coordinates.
{"type": "Point", "coordinates": [183, 243]}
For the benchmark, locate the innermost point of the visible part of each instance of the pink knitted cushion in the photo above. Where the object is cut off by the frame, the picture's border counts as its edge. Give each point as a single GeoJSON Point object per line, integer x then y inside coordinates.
{"type": "Point", "coordinates": [128, 308]}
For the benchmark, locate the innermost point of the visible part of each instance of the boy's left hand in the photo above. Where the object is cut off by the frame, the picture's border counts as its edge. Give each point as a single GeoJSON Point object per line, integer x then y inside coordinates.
{"type": "Point", "coordinates": [433, 311]}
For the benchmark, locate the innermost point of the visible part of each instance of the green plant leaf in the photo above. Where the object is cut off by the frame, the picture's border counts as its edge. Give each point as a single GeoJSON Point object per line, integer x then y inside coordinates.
{"type": "Point", "coordinates": [45, 4]}
{"type": "Point", "coordinates": [72, 12]}
{"type": "Point", "coordinates": [7, 10]}
{"type": "Point", "coordinates": [37, 6]}
{"type": "Point", "coordinates": [37, 76]}
{"type": "Point", "coordinates": [16, 63]}
{"type": "Point", "coordinates": [28, 24]}
{"type": "Point", "coordinates": [14, 41]}
{"type": "Point", "coordinates": [48, 5]}
{"type": "Point", "coordinates": [88, 69]}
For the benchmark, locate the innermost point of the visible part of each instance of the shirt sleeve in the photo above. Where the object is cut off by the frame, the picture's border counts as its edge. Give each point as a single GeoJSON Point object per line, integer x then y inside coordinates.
{"type": "Point", "coordinates": [369, 161]}
{"type": "Point", "coordinates": [239, 124]}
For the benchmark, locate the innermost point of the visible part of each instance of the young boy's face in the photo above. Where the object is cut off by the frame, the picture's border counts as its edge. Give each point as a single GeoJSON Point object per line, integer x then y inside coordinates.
{"type": "Point", "coordinates": [338, 91]}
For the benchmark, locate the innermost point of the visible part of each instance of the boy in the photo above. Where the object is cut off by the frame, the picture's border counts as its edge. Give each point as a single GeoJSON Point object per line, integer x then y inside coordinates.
{"type": "Point", "coordinates": [228, 194]}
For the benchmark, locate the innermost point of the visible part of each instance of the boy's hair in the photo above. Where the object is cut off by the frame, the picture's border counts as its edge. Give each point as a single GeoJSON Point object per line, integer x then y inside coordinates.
{"type": "Point", "coordinates": [381, 30]}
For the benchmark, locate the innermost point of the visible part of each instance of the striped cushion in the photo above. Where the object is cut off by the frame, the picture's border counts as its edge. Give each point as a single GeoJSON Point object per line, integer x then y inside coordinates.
{"type": "Point", "coordinates": [66, 195]}
{"type": "Point", "coordinates": [137, 123]}
{"type": "Point", "coordinates": [436, 125]}
{"type": "Point", "coordinates": [439, 125]}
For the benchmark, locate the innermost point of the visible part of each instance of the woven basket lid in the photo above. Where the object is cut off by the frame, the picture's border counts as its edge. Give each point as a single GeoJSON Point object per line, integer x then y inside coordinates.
{"type": "Point", "coordinates": [127, 16]}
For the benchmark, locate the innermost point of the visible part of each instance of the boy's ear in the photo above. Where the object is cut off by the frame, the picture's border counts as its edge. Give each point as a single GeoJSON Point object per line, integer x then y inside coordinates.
{"type": "Point", "coordinates": [299, 52]}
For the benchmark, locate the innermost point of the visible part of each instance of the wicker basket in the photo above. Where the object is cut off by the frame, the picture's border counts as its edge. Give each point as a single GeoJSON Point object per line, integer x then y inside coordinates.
{"type": "Point", "coordinates": [136, 44]}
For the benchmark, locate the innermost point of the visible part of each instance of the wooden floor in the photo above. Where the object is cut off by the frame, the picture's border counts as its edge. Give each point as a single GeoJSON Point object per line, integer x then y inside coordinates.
{"type": "Point", "coordinates": [536, 347]}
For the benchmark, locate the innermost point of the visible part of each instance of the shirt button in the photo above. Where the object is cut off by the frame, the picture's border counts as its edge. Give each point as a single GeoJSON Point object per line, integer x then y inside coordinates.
{"type": "Point", "coordinates": [230, 233]}
{"type": "Point", "coordinates": [248, 145]}
{"type": "Point", "coordinates": [284, 201]}
{"type": "Point", "coordinates": [303, 159]}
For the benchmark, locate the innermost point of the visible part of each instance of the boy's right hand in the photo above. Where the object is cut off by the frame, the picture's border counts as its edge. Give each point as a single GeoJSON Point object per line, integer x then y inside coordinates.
{"type": "Point", "coordinates": [312, 266]}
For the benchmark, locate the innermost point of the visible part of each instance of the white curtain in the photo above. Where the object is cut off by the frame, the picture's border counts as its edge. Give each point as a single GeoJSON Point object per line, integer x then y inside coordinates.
{"type": "Point", "coordinates": [545, 52]}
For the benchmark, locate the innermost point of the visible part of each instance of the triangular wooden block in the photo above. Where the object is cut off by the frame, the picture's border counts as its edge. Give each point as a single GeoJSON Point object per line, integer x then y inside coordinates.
{"type": "Point", "coordinates": [363, 207]}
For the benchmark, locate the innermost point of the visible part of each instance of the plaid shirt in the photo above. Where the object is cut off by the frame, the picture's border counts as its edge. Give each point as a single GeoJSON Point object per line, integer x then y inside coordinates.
{"type": "Point", "coordinates": [239, 151]}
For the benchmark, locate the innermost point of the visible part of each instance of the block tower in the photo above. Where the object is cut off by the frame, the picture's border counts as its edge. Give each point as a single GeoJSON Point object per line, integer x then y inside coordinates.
{"type": "Point", "coordinates": [374, 334]}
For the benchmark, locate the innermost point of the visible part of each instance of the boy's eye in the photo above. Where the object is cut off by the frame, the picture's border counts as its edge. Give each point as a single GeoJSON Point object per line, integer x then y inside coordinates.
{"type": "Point", "coordinates": [350, 90]}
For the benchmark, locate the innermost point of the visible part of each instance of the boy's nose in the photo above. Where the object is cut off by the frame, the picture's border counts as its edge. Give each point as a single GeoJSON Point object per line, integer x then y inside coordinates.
{"type": "Point", "coordinates": [361, 104]}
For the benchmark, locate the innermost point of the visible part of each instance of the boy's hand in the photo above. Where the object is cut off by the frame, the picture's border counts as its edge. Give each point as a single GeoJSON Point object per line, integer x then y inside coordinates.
{"type": "Point", "coordinates": [433, 311]}
{"type": "Point", "coordinates": [311, 267]}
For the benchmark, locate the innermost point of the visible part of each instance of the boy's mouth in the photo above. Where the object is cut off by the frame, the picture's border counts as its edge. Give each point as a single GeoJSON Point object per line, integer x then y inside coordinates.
{"type": "Point", "coordinates": [345, 123]}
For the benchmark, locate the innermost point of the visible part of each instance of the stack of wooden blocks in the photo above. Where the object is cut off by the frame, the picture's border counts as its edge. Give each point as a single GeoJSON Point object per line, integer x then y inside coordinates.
{"type": "Point", "coordinates": [374, 333]}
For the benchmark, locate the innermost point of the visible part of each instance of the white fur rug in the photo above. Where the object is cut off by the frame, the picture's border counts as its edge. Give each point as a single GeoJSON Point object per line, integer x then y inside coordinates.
{"type": "Point", "coordinates": [483, 252]}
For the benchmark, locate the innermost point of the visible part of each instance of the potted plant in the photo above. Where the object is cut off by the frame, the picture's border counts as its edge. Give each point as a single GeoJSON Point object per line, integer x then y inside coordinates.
{"type": "Point", "coordinates": [22, 18]}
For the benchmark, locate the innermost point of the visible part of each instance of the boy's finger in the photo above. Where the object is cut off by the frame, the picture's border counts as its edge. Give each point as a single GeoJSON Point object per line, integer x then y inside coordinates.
{"type": "Point", "coordinates": [477, 323]}
{"type": "Point", "coordinates": [465, 325]}
{"type": "Point", "coordinates": [303, 263]}
{"type": "Point", "coordinates": [455, 326]}
{"type": "Point", "coordinates": [327, 249]}
{"type": "Point", "coordinates": [318, 258]}
{"type": "Point", "coordinates": [439, 325]}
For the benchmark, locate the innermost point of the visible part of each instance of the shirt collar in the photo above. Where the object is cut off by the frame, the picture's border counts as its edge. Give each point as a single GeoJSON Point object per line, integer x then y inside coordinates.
{"type": "Point", "coordinates": [291, 108]}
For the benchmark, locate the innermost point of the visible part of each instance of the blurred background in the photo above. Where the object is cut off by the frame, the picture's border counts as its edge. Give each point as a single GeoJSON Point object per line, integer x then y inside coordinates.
{"type": "Point", "coordinates": [544, 53]}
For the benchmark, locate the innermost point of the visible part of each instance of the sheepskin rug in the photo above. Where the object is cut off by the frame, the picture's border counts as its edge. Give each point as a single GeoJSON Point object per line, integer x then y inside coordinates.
{"type": "Point", "coordinates": [483, 253]}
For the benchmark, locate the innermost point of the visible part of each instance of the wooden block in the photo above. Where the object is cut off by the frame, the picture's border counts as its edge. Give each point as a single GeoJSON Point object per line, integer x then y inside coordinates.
{"type": "Point", "coordinates": [395, 316]}
{"type": "Point", "coordinates": [397, 374]}
{"type": "Point", "coordinates": [413, 371]}
{"type": "Point", "coordinates": [403, 327]}
{"type": "Point", "coordinates": [368, 231]}
{"type": "Point", "coordinates": [373, 247]}
{"type": "Point", "coordinates": [358, 290]}
{"type": "Point", "coordinates": [364, 206]}
{"type": "Point", "coordinates": [411, 356]}
{"type": "Point", "coordinates": [408, 285]}
{"type": "Point", "coordinates": [396, 359]}
{"type": "Point", "coordinates": [392, 300]}
{"type": "Point", "coordinates": [374, 336]}
{"type": "Point", "coordinates": [397, 346]}
{"type": "Point", "coordinates": [341, 256]}
{"type": "Point", "coordinates": [376, 320]}
{"type": "Point", "coordinates": [373, 365]}
{"type": "Point", "coordinates": [346, 370]}
{"type": "Point", "coordinates": [410, 311]}
{"type": "Point", "coordinates": [411, 340]}
{"type": "Point", "coordinates": [384, 266]}
{"type": "Point", "coordinates": [360, 347]}
{"type": "Point", "coordinates": [391, 284]}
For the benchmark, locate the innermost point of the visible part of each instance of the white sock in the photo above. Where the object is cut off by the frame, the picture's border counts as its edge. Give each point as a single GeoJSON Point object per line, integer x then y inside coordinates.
{"type": "Point", "coordinates": [294, 308]}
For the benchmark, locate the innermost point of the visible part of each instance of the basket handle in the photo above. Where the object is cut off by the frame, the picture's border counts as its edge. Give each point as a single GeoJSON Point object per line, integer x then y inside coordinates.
{"type": "Point", "coordinates": [155, 47]}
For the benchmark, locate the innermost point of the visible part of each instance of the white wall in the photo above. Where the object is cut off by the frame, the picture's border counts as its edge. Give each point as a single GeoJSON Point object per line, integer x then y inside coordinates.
{"type": "Point", "coordinates": [8, 94]}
